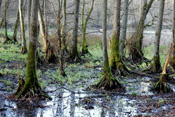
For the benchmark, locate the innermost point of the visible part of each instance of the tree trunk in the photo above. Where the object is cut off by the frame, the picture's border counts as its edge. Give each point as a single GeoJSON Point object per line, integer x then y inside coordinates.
{"type": "Point", "coordinates": [63, 29]}
{"type": "Point", "coordinates": [59, 39]}
{"type": "Point", "coordinates": [31, 86]}
{"type": "Point", "coordinates": [84, 26]}
{"type": "Point", "coordinates": [74, 51]}
{"type": "Point", "coordinates": [124, 27]}
{"type": "Point", "coordinates": [42, 28]}
{"type": "Point", "coordinates": [115, 61]}
{"type": "Point", "coordinates": [156, 66]}
{"type": "Point", "coordinates": [7, 2]}
{"type": "Point", "coordinates": [23, 40]}
{"type": "Point", "coordinates": [29, 2]}
{"type": "Point", "coordinates": [172, 60]}
{"type": "Point", "coordinates": [16, 28]}
{"type": "Point", "coordinates": [107, 82]}
{"type": "Point", "coordinates": [161, 85]}
{"type": "Point", "coordinates": [7, 39]}
{"type": "Point", "coordinates": [136, 52]}
{"type": "Point", "coordinates": [136, 46]}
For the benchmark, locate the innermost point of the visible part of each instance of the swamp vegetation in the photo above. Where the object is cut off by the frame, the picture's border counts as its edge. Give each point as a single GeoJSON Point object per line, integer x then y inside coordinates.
{"type": "Point", "coordinates": [71, 72]}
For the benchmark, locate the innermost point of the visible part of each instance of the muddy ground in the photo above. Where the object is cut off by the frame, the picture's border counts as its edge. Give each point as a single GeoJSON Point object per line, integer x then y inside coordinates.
{"type": "Point", "coordinates": [73, 98]}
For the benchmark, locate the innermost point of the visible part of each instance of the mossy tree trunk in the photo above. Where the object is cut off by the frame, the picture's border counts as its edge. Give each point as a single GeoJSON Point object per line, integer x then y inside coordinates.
{"type": "Point", "coordinates": [7, 2]}
{"type": "Point", "coordinates": [156, 66]}
{"type": "Point", "coordinates": [124, 27]}
{"type": "Point", "coordinates": [16, 28]}
{"type": "Point", "coordinates": [7, 39]}
{"type": "Point", "coordinates": [136, 47]}
{"type": "Point", "coordinates": [23, 40]}
{"type": "Point", "coordinates": [31, 87]}
{"type": "Point", "coordinates": [115, 61]}
{"type": "Point", "coordinates": [59, 39]}
{"type": "Point", "coordinates": [107, 82]}
{"type": "Point", "coordinates": [48, 51]}
{"type": "Point", "coordinates": [161, 85]}
{"type": "Point", "coordinates": [29, 2]}
{"type": "Point", "coordinates": [84, 26]}
{"type": "Point", "coordinates": [172, 60]}
{"type": "Point", "coordinates": [63, 29]}
{"type": "Point", "coordinates": [136, 51]}
{"type": "Point", "coordinates": [74, 51]}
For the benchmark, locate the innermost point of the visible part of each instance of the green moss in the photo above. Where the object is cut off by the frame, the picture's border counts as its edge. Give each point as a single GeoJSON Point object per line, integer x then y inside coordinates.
{"type": "Point", "coordinates": [31, 77]}
{"type": "Point", "coordinates": [156, 66]}
{"type": "Point", "coordinates": [115, 53]}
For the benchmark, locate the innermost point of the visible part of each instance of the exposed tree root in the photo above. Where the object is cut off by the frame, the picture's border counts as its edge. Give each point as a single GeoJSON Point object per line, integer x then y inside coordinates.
{"type": "Point", "coordinates": [109, 84]}
{"type": "Point", "coordinates": [25, 91]}
{"type": "Point", "coordinates": [161, 85]}
{"type": "Point", "coordinates": [172, 61]}
{"type": "Point", "coordinates": [120, 69]}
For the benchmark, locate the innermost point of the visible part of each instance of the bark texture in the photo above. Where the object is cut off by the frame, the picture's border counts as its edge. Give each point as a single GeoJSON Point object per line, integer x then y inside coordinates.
{"type": "Point", "coordinates": [124, 27]}
{"type": "Point", "coordinates": [23, 40]}
{"type": "Point", "coordinates": [84, 26]}
{"type": "Point", "coordinates": [156, 66]}
{"type": "Point", "coordinates": [108, 82]}
{"type": "Point", "coordinates": [74, 51]}
{"type": "Point", "coordinates": [172, 60]}
{"type": "Point", "coordinates": [59, 39]}
{"type": "Point", "coordinates": [31, 87]}
{"type": "Point", "coordinates": [115, 62]}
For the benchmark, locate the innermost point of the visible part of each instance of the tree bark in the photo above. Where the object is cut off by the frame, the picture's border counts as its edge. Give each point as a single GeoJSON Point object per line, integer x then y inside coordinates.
{"type": "Point", "coordinates": [63, 29]}
{"type": "Point", "coordinates": [31, 86]}
{"type": "Point", "coordinates": [84, 26]}
{"type": "Point", "coordinates": [59, 39]}
{"type": "Point", "coordinates": [124, 27]}
{"type": "Point", "coordinates": [74, 51]}
{"type": "Point", "coordinates": [156, 66]}
{"type": "Point", "coordinates": [136, 51]}
{"type": "Point", "coordinates": [23, 40]}
{"type": "Point", "coordinates": [161, 85]}
{"type": "Point", "coordinates": [115, 61]}
{"type": "Point", "coordinates": [7, 2]}
{"type": "Point", "coordinates": [16, 28]}
{"type": "Point", "coordinates": [29, 2]}
{"type": "Point", "coordinates": [7, 39]}
{"type": "Point", "coordinates": [107, 82]}
{"type": "Point", "coordinates": [172, 60]}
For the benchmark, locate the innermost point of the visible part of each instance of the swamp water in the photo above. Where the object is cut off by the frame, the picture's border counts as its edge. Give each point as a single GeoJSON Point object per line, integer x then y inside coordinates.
{"type": "Point", "coordinates": [79, 103]}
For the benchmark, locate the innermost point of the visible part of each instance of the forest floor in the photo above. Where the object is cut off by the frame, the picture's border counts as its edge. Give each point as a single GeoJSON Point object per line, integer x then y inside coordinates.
{"type": "Point", "coordinates": [73, 96]}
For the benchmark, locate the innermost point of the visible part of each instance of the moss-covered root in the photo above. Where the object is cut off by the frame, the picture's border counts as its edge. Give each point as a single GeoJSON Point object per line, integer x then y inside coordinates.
{"type": "Point", "coordinates": [35, 92]}
{"type": "Point", "coordinates": [172, 61]}
{"type": "Point", "coordinates": [85, 49]}
{"type": "Point", "coordinates": [136, 56]}
{"type": "Point", "coordinates": [161, 85]}
{"type": "Point", "coordinates": [21, 83]}
{"type": "Point", "coordinates": [109, 84]}
{"type": "Point", "coordinates": [23, 50]}
{"type": "Point", "coordinates": [119, 69]}
{"type": "Point", "coordinates": [155, 66]}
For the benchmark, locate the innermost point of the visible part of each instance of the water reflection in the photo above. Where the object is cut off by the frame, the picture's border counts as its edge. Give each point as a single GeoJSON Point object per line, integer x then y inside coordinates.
{"type": "Point", "coordinates": [69, 104]}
